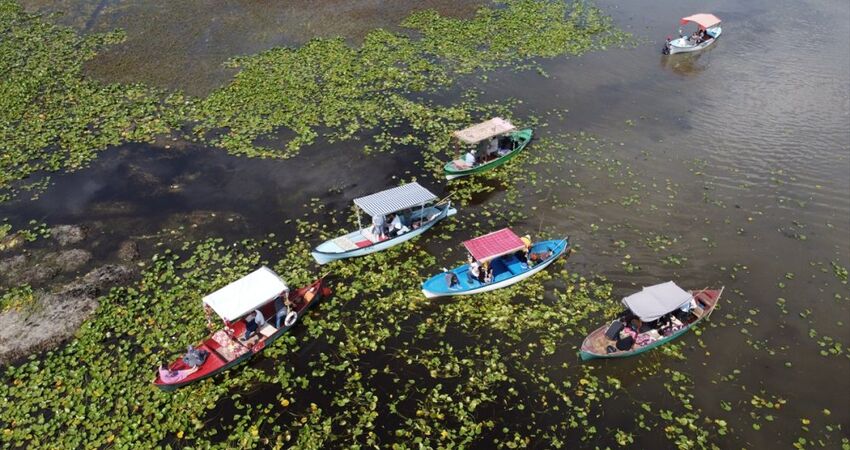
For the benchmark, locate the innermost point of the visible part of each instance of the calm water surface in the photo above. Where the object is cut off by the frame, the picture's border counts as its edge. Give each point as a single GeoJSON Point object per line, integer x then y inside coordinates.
{"type": "Point", "coordinates": [752, 137]}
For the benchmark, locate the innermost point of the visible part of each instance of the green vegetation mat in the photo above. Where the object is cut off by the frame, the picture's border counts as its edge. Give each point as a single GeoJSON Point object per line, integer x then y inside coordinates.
{"type": "Point", "coordinates": [53, 117]}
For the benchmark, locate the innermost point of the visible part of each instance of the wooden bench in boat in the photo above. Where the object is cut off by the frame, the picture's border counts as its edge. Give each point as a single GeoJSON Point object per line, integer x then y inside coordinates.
{"type": "Point", "coordinates": [345, 243]}
{"type": "Point", "coordinates": [228, 349]}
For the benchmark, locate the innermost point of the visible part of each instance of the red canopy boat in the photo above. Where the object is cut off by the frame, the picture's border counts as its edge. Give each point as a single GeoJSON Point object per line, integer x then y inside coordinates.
{"type": "Point", "coordinates": [224, 348]}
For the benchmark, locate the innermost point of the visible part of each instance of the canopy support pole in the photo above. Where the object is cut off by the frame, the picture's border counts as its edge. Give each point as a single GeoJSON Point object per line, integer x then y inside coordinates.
{"type": "Point", "coordinates": [359, 225]}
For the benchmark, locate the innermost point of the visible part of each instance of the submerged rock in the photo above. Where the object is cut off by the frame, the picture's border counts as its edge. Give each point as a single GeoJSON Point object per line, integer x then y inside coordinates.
{"type": "Point", "coordinates": [68, 260]}
{"type": "Point", "coordinates": [68, 234]}
{"type": "Point", "coordinates": [56, 316]}
{"type": "Point", "coordinates": [128, 251]}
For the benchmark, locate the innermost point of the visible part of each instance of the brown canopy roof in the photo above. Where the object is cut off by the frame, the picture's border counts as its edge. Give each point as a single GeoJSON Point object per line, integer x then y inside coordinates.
{"type": "Point", "coordinates": [484, 130]}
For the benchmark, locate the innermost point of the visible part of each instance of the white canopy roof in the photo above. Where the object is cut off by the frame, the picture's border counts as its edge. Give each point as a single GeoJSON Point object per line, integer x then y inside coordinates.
{"type": "Point", "coordinates": [655, 301]}
{"type": "Point", "coordinates": [484, 130]}
{"type": "Point", "coordinates": [395, 199]}
{"type": "Point", "coordinates": [246, 294]}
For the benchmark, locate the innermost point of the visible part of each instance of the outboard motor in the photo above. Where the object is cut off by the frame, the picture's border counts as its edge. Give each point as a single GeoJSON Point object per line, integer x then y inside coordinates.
{"type": "Point", "coordinates": [666, 49]}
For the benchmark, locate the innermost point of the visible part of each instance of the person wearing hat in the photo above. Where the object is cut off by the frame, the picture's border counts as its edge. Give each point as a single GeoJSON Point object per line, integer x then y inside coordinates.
{"type": "Point", "coordinates": [523, 254]}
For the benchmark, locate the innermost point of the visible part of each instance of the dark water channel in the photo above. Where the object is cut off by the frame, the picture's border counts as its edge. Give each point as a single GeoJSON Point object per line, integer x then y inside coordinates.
{"type": "Point", "coordinates": [752, 137]}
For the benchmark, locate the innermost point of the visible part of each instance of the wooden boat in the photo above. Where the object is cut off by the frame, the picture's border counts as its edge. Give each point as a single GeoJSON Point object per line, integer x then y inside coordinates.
{"type": "Point", "coordinates": [512, 142]}
{"type": "Point", "coordinates": [649, 305]}
{"type": "Point", "coordinates": [408, 201]}
{"type": "Point", "coordinates": [502, 250]}
{"type": "Point", "coordinates": [709, 26]}
{"type": "Point", "coordinates": [232, 303]}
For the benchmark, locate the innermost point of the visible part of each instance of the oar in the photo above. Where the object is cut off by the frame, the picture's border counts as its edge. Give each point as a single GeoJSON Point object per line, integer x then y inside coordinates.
{"type": "Point", "coordinates": [442, 200]}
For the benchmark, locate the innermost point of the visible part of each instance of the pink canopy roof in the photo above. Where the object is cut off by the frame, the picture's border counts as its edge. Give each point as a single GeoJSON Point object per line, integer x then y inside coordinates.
{"type": "Point", "coordinates": [494, 244]}
{"type": "Point", "coordinates": [703, 20]}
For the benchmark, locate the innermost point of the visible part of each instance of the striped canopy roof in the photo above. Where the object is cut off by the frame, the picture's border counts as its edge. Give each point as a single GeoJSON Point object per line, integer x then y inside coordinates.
{"type": "Point", "coordinates": [484, 130]}
{"type": "Point", "coordinates": [493, 245]}
{"type": "Point", "coordinates": [395, 199]}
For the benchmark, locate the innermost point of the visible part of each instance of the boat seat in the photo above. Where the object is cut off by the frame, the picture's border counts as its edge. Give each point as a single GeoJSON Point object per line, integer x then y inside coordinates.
{"type": "Point", "coordinates": [515, 265]}
{"type": "Point", "coordinates": [344, 243]}
{"type": "Point", "coordinates": [214, 347]}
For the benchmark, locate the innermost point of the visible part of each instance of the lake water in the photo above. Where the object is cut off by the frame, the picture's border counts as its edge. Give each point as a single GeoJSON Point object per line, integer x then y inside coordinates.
{"type": "Point", "coordinates": [741, 154]}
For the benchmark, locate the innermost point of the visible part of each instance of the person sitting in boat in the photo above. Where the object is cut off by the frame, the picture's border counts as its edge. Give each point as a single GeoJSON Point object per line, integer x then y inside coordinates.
{"type": "Point", "coordinates": [626, 339]}
{"type": "Point", "coordinates": [252, 323]}
{"type": "Point", "coordinates": [451, 279]}
{"type": "Point", "coordinates": [469, 158]}
{"type": "Point", "coordinates": [194, 357]}
{"type": "Point", "coordinates": [397, 226]}
{"type": "Point", "coordinates": [488, 273]}
{"type": "Point", "coordinates": [493, 149]}
{"type": "Point", "coordinates": [167, 375]}
{"type": "Point", "coordinates": [522, 255]}
{"type": "Point", "coordinates": [534, 258]}
{"type": "Point", "coordinates": [475, 270]}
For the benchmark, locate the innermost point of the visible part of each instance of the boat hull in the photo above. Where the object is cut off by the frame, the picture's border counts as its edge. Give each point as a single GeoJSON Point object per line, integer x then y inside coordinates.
{"type": "Point", "coordinates": [524, 137]}
{"type": "Point", "coordinates": [587, 354]}
{"type": "Point", "coordinates": [321, 290]}
{"type": "Point", "coordinates": [435, 286]}
{"type": "Point", "coordinates": [324, 257]}
{"type": "Point", "coordinates": [680, 45]}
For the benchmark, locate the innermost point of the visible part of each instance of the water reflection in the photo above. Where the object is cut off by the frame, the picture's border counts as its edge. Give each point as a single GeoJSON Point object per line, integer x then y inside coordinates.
{"type": "Point", "coordinates": [687, 64]}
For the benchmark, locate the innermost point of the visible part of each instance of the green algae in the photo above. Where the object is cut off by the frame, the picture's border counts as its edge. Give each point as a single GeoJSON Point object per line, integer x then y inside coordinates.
{"type": "Point", "coordinates": [327, 84]}
{"type": "Point", "coordinates": [51, 116]}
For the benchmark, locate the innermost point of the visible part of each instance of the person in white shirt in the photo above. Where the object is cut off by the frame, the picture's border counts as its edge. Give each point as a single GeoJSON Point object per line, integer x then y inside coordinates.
{"type": "Point", "coordinates": [252, 323]}
{"type": "Point", "coordinates": [397, 227]}
{"type": "Point", "coordinates": [469, 158]}
{"type": "Point", "coordinates": [474, 269]}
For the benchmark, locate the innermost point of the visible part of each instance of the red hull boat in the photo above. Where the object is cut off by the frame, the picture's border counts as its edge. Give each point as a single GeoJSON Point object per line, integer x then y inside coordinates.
{"type": "Point", "coordinates": [224, 349]}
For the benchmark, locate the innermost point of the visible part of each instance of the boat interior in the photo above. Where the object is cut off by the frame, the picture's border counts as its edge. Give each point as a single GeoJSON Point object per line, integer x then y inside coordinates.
{"type": "Point", "coordinates": [627, 334]}
{"type": "Point", "coordinates": [366, 237]}
{"type": "Point", "coordinates": [688, 41]}
{"type": "Point", "coordinates": [491, 150]}
{"type": "Point", "coordinates": [504, 267]}
{"type": "Point", "coordinates": [223, 347]}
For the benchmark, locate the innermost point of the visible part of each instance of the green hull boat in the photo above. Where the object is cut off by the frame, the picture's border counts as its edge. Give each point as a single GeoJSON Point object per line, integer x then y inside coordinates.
{"type": "Point", "coordinates": [520, 140]}
{"type": "Point", "coordinates": [598, 345]}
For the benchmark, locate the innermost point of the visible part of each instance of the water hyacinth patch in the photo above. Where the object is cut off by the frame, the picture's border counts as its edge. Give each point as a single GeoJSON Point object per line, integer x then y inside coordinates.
{"type": "Point", "coordinates": [351, 90]}
{"type": "Point", "coordinates": [51, 116]}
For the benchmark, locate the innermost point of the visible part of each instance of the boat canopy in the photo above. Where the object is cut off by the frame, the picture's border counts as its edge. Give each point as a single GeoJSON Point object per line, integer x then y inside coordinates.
{"type": "Point", "coordinates": [484, 130]}
{"type": "Point", "coordinates": [493, 245]}
{"type": "Point", "coordinates": [246, 294]}
{"type": "Point", "coordinates": [703, 20]}
{"type": "Point", "coordinates": [655, 301]}
{"type": "Point", "coordinates": [395, 199]}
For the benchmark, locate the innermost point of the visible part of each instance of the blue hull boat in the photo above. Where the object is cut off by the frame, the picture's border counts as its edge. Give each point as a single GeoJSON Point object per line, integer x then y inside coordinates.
{"type": "Point", "coordinates": [507, 270]}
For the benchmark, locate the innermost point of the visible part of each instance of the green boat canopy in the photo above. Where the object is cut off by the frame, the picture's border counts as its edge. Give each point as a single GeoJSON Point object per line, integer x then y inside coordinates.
{"type": "Point", "coordinates": [655, 301]}
{"type": "Point", "coordinates": [484, 130]}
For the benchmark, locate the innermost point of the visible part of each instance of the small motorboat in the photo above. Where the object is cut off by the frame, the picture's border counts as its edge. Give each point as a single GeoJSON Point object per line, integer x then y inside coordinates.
{"type": "Point", "coordinates": [508, 258]}
{"type": "Point", "coordinates": [504, 142]}
{"type": "Point", "coordinates": [224, 348]}
{"type": "Point", "coordinates": [654, 316]}
{"type": "Point", "coordinates": [411, 217]}
{"type": "Point", "coordinates": [709, 31]}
